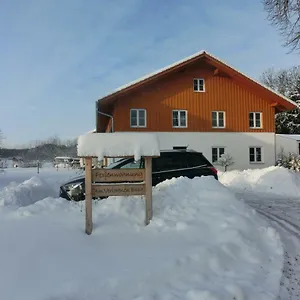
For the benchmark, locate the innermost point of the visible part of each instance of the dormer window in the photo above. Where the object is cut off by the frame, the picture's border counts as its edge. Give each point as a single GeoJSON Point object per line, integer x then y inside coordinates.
{"type": "Point", "coordinates": [199, 85]}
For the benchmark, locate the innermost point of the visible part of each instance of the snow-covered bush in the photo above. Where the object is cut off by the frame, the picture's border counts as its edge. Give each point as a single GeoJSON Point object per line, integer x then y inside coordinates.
{"type": "Point", "coordinates": [226, 160]}
{"type": "Point", "coordinates": [290, 161]}
{"type": "Point", "coordinates": [295, 163]}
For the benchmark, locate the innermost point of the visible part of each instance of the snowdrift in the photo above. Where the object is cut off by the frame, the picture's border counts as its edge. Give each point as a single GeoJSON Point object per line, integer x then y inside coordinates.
{"type": "Point", "coordinates": [201, 244]}
{"type": "Point", "coordinates": [277, 181]}
{"type": "Point", "coordinates": [26, 193]}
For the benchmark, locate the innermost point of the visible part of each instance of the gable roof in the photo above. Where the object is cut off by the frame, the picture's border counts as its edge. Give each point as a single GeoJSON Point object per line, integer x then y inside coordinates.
{"type": "Point", "coordinates": [281, 102]}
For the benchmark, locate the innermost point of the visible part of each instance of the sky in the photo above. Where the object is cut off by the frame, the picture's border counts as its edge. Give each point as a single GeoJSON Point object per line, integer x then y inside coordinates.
{"type": "Point", "coordinates": [58, 57]}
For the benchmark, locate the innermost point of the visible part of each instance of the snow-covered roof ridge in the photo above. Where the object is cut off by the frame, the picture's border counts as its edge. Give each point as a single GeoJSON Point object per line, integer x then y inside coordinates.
{"type": "Point", "coordinates": [147, 76]}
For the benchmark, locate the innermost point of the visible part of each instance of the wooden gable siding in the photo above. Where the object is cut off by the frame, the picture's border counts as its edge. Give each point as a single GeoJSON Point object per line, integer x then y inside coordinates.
{"type": "Point", "coordinates": [176, 92]}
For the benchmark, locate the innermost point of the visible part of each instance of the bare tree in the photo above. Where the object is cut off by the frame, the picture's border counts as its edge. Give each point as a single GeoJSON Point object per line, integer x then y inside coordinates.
{"type": "Point", "coordinates": [54, 140]}
{"type": "Point", "coordinates": [285, 15]}
{"type": "Point", "coordinates": [286, 82]}
{"type": "Point", "coordinates": [279, 80]}
{"type": "Point", "coordinates": [226, 160]}
{"type": "Point", "coordinates": [71, 143]}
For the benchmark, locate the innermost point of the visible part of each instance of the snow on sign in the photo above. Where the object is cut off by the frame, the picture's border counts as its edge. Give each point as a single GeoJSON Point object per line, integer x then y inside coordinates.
{"type": "Point", "coordinates": [118, 144]}
{"type": "Point", "coordinates": [117, 182]}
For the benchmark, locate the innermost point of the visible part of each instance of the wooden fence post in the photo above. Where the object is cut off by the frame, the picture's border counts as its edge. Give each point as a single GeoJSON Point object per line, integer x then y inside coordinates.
{"type": "Point", "coordinates": [88, 196]}
{"type": "Point", "coordinates": [148, 194]}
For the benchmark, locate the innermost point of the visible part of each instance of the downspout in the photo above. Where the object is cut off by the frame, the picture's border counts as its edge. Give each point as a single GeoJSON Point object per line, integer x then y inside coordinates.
{"type": "Point", "coordinates": [106, 115]}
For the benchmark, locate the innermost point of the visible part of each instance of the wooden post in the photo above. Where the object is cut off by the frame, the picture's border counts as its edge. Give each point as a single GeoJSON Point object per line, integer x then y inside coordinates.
{"type": "Point", "coordinates": [105, 162]}
{"type": "Point", "coordinates": [148, 194]}
{"type": "Point", "coordinates": [88, 195]}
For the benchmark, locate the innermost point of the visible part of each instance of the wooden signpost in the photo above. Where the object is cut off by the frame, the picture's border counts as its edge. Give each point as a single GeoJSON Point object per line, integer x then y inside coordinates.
{"type": "Point", "coordinates": [117, 182]}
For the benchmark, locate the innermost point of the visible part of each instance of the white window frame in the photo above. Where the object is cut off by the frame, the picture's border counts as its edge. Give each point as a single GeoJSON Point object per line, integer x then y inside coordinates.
{"type": "Point", "coordinates": [198, 85]}
{"type": "Point", "coordinates": [218, 118]}
{"type": "Point", "coordinates": [255, 158]}
{"type": "Point", "coordinates": [178, 115]}
{"type": "Point", "coordinates": [218, 152]}
{"type": "Point", "coordinates": [254, 119]}
{"type": "Point", "coordinates": [138, 121]}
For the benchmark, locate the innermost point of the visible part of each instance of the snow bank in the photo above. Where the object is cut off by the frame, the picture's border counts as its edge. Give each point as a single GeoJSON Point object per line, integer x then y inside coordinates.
{"type": "Point", "coordinates": [273, 180]}
{"type": "Point", "coordinates": [201, 244]}
{"type": "Point", "coordinates": [118, 144]}
{"type": "Point", "coordinates": [26, 193]}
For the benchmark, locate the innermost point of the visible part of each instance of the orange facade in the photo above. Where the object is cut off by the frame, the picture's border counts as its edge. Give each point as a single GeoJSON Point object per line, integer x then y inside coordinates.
{"type": "Point", "coordinates": [175, 91]}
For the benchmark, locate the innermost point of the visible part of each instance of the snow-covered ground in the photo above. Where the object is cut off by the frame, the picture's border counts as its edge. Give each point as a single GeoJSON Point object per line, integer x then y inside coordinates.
{"type": "Point", "coordinates": [201, 244]}
{"type": "Point", "coordinates": [272, 181]}
{"type": "Point", "coordinates": [275, 194]}
{"type": "Point", "coordinates": [53, 176]}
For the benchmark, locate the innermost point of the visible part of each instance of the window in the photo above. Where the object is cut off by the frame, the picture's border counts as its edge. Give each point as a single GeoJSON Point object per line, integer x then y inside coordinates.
{"type": "Point", "coordinates": [168, 162]}
{"type": "Point", "coordinates": [195, 159]}
{"type": "Point", "coordinates": [132, 164]}
{"type": "Point", "coordinates": [255, 120]}
{"type": "Point", "coordinates": [255, 154]}
{"type": "Point", "coordinates": [217, 152]}
{"type": "Point", "coordinates": [218, 119]}
{"type": "Point", "coordinates": [199, 85]}
{"type": "Point", "coordinates": [179, 118]}
{"type": "Point", "coordinates": [126, 163]}
{"type": "Point", "coordinates": [137, 118]}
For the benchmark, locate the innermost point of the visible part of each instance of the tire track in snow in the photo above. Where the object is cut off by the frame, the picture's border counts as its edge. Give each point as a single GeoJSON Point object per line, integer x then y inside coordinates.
{"type": "Point", "coordinates": [281, 221]}
{"type": "Point", "coordinates": [289, 233]}
{"type": "Point", "coordinates": [290, 281]}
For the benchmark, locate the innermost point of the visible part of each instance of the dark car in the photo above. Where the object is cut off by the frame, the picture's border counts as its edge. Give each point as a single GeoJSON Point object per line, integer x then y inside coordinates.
{"type": "Point", "coordinates": [171, 163]}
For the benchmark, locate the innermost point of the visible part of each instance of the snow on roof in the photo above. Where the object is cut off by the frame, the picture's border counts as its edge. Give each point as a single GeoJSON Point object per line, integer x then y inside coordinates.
{"type": "Point", "coordinates": [118, 144]}
{"type": "Point", "coordinates": [154, 73]}
{"type": "Point", "coordinates": [261, 84]}
{"type": "Point", "coordinates": [92, 131]}
{"type": "Point", "coordinates": [185, 60]}
{"type": "Point", "coordinates": [295, 137]}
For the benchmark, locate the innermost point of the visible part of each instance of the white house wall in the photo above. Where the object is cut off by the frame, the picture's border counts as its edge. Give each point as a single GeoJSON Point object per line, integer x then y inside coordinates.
{"type": "Point", "coordinates": [286, 144]}
{"type": "Point", "coordinates": [236, 144]}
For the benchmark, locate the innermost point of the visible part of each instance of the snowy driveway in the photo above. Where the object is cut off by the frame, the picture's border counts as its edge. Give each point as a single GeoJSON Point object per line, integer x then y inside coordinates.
{"type": "Point", "coordinates": [283, 214]}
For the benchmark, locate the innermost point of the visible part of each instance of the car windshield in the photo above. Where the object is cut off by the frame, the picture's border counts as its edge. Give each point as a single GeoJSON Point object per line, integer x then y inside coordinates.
{"type": "Point", "coordinates": [114, 164]}
{"type": "Point", "coordinates": [125, 163]}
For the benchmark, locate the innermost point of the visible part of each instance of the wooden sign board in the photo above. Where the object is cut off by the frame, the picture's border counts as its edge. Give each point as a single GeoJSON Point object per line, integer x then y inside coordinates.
{"type": "Point", "coordinates": [115, 183]}
{"type": "Point", "coordinates": [118, 175]}
{"type": "Point", "coordinates": [105, 190]}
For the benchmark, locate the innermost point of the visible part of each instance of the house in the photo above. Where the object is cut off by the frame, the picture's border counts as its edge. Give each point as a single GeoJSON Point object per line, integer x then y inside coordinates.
{"type": "Point", "coordinates": [202, 103]}
{"type": "Point", "coordinates": [287, 143]}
